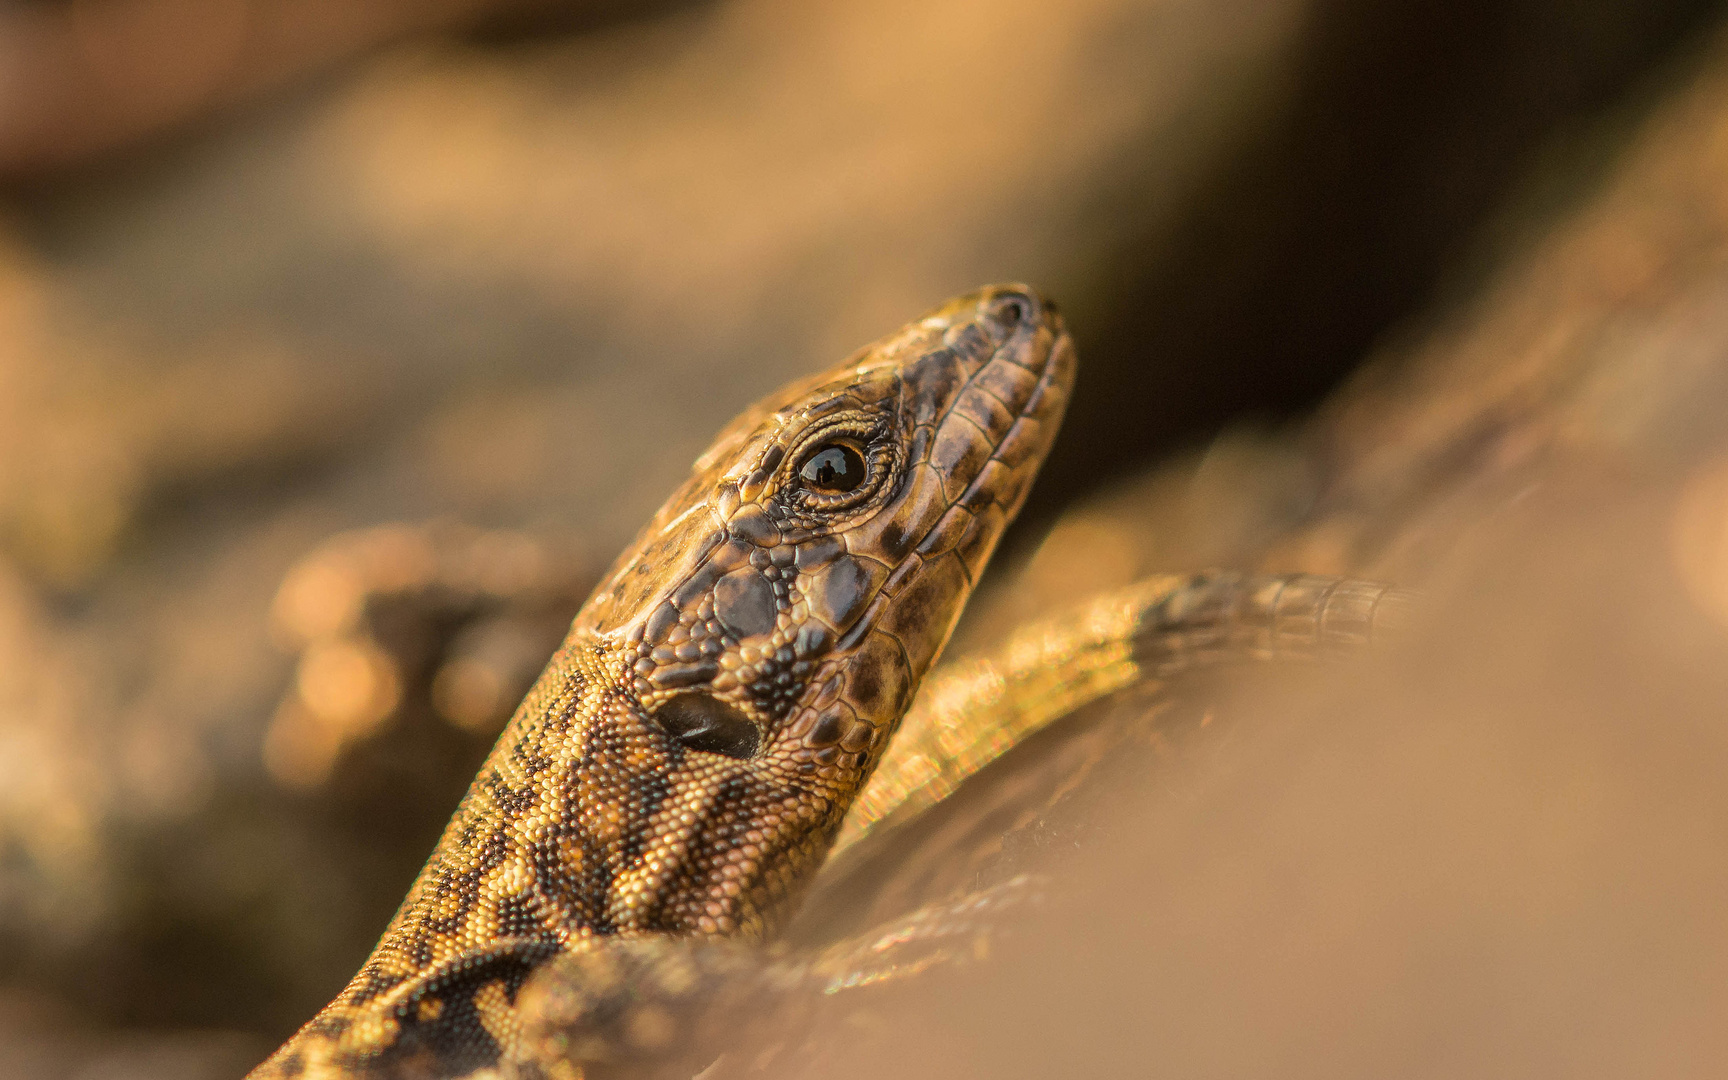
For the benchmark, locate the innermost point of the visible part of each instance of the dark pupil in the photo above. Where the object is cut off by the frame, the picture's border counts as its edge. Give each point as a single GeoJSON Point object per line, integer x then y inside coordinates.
{"type": "Point", "coordinates": [834, 468]}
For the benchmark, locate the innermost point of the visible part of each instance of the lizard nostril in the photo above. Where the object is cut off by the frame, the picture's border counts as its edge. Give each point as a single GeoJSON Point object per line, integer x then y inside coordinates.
{"type": "Point", "coordinates": [1011, 309]}
{"type": "Point", "coordinates": [703, 722]}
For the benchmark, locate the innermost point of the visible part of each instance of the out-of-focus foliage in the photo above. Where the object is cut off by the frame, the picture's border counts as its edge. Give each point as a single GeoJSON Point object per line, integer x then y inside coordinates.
{"type": "Point", "coordinates": [509, 283]}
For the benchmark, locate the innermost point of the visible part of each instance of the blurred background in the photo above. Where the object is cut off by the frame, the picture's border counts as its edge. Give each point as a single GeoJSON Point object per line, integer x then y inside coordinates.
{"type": "Point", "coordinates": [342, 344]}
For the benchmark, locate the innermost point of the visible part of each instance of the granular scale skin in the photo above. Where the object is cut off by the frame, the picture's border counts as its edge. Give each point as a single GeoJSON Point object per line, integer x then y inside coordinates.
{"type": "Point", "coordinates": [680, 769]}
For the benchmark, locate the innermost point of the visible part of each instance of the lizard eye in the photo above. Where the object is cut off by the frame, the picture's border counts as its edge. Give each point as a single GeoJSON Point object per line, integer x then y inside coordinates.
{"type": "Point", "coordinates": [833, 469]}
{"type": "Point", "coordinates": [838, 469]}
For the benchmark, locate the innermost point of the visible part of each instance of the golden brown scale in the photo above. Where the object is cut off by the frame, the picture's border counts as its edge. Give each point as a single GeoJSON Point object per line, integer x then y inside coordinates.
{"type": "Point", "coordinates": [681, 767]}
{"type": "Point", "coordinates": [668, 1008]}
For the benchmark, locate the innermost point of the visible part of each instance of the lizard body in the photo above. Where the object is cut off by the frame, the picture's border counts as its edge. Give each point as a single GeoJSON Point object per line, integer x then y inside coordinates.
{"type": "Point", "coordinates": [893, 905]}
{"type": "Point", "coordinates": [681, 767]}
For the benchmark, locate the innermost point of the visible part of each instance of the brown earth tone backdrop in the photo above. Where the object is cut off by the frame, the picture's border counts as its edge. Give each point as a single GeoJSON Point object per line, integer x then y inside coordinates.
{"type": "Point", "coordinates": [1424, 291]}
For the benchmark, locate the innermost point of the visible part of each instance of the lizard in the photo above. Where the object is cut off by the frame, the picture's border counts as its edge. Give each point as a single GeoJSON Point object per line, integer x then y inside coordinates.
{"type": "Point", "coordinates": [682, 765]}
{"type": "Point", "coordinates": [666, 1008]}
{"type": "Point", "coordinates": [616, 989]}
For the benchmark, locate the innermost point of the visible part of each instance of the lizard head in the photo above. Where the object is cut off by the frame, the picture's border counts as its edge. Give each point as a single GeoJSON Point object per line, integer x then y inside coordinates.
{"type": "Point", "coordinates": [767, 630]}
{"type": "Point", "coordinates": [684, 761]}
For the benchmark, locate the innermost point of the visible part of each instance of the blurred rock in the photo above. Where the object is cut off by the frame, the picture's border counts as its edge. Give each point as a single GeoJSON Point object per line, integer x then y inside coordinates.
{"type": "Point", "coordinates": [46, 1042]}
{"type": "Point", "coordinates": [1497, 852]}
{"type": "Point", "coordinates": [462, 617]}
{"type": "Point", "coordinates": [86, 77]}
